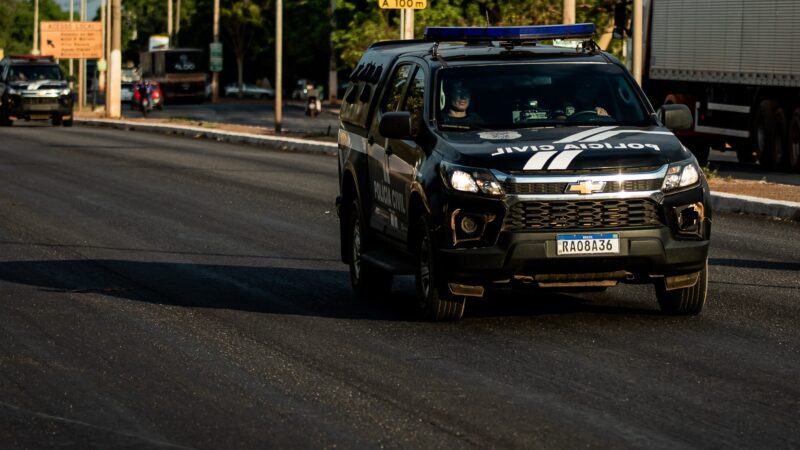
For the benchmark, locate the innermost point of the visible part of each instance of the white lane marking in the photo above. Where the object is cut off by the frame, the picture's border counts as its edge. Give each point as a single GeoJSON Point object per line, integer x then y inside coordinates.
{"type": "Point", "coordinates": [584, 134]}
{"type": "Point", "coordinates": [563, 159]}
{"type": "Point", "coordinates": [610, 134]}
{"type": "Point", "coordinates": [538, 160]}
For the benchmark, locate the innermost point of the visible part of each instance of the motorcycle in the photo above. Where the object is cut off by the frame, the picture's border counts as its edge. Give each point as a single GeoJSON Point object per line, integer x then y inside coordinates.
{"type": "Point", "coordinates": [146, 97]}
{"type": "Point", "coordinates": [313, 106]}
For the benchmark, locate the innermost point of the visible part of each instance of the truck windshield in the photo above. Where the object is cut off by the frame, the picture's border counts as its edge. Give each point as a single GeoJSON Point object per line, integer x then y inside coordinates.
{"type": "Point", "coordinates": [503, 96]}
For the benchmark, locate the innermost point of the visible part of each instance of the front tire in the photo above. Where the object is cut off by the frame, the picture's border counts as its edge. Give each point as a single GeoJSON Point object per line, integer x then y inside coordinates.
{"type": "Point", "coordinates": [436, 302]}
{"type": "Point", "coordinates": [686, 301]}
{"type": "Point", "coordinates": [366, 280]}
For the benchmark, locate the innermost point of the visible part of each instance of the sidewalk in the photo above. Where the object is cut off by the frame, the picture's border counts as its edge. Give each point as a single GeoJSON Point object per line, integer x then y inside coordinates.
{"type": "Point", "coordinates": [737, 196]}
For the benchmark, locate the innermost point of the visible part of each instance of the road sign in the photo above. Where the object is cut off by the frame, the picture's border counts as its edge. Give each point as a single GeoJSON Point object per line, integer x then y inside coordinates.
{"type": "Point", "coordinates": [403, 4]}
{"type": "Point", "coordinates": [64, 39]}
{"type": "Point", "coordinates": [215, 57]}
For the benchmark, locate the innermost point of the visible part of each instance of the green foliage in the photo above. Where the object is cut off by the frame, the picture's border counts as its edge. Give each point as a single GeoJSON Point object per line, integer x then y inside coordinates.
{"type": "Point", "coordinates": [361, 23]}
{"type": "Point", "coordinates": [16, 23]}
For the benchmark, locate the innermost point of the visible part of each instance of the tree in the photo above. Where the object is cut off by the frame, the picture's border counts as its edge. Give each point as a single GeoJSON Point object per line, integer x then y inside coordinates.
{"type": "Point", "coordinates": [16, 23]}
{"type": "Point", "coordinates": [242, 20]}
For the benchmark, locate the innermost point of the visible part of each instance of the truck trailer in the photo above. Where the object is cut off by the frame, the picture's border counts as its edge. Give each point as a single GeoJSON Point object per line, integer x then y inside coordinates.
{"type": "Point", "coordinates": [736, 65]}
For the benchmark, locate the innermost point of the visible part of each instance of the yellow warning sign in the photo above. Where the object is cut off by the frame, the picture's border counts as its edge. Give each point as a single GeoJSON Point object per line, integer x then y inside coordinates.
{"type": "Point", "coordinates": [403, 4]}
{"type": "Point", "coordinates": [64, 39]}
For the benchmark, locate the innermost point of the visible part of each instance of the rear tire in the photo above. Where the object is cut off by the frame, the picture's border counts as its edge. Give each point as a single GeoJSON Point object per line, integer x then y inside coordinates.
{"type": "Point", "coordinates": [366, 280]}
{"type": "Point", "coordinates": [684, 302]}
{"type": "Point", "coordinates": [5, 120]}
{"type": "Point", "coordinates": [770, 132]}
{"type": "Point", "coordinates": [67, 122]}
{"type": "Point", "coordinates": [436, 302]}
{"type": "Point", "coordinates": [793, 144]}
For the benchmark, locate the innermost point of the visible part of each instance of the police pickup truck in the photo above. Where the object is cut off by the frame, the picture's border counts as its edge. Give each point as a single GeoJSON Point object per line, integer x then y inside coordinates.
{"type": "Point", "coordinates": [480, 158]}
{"type": "Point", "coordinates": [34, 88]}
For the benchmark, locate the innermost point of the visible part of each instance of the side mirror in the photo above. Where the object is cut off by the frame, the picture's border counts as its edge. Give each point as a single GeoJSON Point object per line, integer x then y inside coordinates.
{"type": "Point", "coordinates": [675, 116]}
{"type": "Point", "coordinates": [395, 125]}
{"type": "Point", "coordinates": [620, 20]}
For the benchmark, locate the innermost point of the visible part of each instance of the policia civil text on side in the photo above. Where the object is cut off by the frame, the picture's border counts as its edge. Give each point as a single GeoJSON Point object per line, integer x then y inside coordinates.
{"type": "Point", "coordinates": [480, 158]}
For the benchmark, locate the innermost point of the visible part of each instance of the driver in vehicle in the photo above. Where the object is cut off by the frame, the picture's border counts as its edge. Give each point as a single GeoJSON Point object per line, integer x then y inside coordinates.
{"type": "Point", "coordinates": [457, 113]}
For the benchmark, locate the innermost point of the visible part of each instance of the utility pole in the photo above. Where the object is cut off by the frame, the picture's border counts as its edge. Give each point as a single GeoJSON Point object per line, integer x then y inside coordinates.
{"type": "Point", "coordinates": [82, 68]}
{"type": "Point", "coordinates": [637, 41]}
{"type": "Point", "coordinates": [71, 18]}
{"type": "Point", "coordinates": [177, 20]}
{"type": "Point", "coordinates": [215, 74]}
{"type": "Point", "coordinates": [103, 25]}
{"type": "Point", "coordinates": [278, 65]}
{"type": "Point", "coordinates": [107, 54]}
{"type": "Point", "coordinates": [332, 79]}
{"type": "Point", "coordinates": [568, 11]}
{"type": "Point", "coordinates": [115, 63]}
{"type": "Point", "coordinates": [35, 49]}
{"type": "Point", "coordinates": [169, 23]}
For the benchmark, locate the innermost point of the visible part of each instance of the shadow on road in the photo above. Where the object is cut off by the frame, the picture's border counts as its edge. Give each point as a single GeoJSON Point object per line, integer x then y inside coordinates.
{"type": "Point", "coordinates": [290, 291]}
{"type": "Point", "coordinates": [754, 264]}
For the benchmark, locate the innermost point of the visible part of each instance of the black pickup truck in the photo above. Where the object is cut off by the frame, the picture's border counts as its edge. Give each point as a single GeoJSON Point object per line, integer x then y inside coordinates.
{"type": "Point", "coordinates": [480, 158]}
{"type": "Point", "coordinates": [34, 88]}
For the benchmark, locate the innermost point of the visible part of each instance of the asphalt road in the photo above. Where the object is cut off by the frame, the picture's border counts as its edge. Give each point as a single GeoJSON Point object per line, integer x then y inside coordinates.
{"type": "Point", "coordinates": [160, 292]}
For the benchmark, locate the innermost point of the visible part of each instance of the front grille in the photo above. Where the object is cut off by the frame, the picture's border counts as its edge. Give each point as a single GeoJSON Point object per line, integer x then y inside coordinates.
{"type": "Point", "coordinates": [39, 100]}
{"type": "Point", "coordinates": [582, 214]}
{"type": "Point", "coordinates": [653, 184]}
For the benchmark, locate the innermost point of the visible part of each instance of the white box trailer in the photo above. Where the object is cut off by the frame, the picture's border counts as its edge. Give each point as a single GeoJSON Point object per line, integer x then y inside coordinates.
{"type": "Point", "coordinates": [736, 64]}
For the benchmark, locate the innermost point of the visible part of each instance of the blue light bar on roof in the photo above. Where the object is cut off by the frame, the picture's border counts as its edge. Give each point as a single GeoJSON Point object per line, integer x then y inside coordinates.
{"type": "Point", "coordinates": [529, 33]}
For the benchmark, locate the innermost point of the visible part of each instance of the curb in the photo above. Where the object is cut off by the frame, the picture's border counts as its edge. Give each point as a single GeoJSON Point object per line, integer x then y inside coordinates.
{"type": "Point", "coordinates": [720, 201]}
{"type": "Point", "coordinates": [277, 142]}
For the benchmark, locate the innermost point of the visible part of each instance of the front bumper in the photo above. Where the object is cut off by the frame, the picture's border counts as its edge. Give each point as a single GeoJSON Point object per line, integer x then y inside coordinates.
{"type": "Point", "coordinates": [33, 107]}
{"type": "Point", "coordinates": [644, 251]}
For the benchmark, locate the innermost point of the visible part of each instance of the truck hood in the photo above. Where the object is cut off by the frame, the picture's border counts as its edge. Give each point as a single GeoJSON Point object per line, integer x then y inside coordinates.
{"type": "Point", "coordinates": [38, 85]}
{"type": "Point", "coordinates": [567, 148]}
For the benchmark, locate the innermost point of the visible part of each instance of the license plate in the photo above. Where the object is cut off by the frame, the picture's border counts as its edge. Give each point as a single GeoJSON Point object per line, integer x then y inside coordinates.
{"type": "Point", "coordinates": [587, 244]}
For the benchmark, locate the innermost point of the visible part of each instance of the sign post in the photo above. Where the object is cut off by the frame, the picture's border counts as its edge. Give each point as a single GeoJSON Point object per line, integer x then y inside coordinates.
{"type": "Point", "coordinates": [407, 8]}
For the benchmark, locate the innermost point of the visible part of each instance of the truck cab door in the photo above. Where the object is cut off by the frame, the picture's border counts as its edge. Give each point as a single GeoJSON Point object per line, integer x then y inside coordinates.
{"type": "Point", "coordinates": [387, 201]}
{"type": "Point", "coordinates": [406, 156]}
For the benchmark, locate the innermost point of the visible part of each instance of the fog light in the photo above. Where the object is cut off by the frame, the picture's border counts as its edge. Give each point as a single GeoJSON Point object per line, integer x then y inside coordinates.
{"type": "Point", "coordinates": [690, 218]}
{"type": "Point", "coordinates": [468, 225]}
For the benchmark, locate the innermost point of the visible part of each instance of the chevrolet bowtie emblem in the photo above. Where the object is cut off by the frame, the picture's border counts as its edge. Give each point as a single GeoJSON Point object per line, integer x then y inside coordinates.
{"type": "Point", "coordinates": [585, 187]}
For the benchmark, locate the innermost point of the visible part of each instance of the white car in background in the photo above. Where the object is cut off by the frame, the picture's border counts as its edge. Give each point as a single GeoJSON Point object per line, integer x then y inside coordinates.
{"type": "Point", "coordinates": [249, 90]}
{"type": "Point", "coordinates": [129, 77]}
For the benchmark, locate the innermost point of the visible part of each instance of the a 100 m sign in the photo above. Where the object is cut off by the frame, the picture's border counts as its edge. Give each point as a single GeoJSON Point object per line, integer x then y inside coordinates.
{"type": "Point", "coordinates": [403, 4]}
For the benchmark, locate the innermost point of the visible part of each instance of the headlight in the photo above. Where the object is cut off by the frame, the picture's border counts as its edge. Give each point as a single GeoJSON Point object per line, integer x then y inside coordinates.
{"type": "Point", "coordinates": [681, 175]}
{"type": "Point", "coordinates": [12, 91]}
{"type": "Point", "coordinates": [470, 179]}
{"type": "Point", "coordinates": [64, 92]}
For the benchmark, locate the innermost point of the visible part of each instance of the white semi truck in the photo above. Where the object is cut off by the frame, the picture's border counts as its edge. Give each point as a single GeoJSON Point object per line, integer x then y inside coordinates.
{"type": "Point", "coordinates": [736, 64]}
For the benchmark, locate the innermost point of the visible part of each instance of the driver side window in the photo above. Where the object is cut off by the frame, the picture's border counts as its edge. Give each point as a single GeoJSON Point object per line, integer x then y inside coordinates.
{"type": "Point", "coordinates": [415, 101]}
{"type": "Point", "coordinates": [397, 87]}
